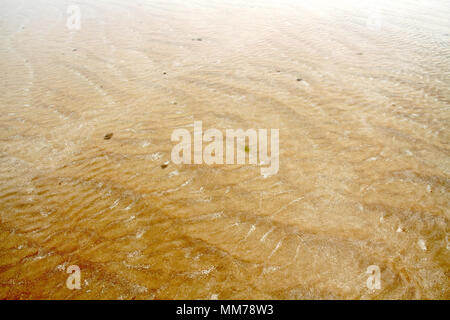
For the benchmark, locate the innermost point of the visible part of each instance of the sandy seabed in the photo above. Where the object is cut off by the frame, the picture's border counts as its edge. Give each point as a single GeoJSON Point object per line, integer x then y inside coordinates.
{"type": "Point", "coordinates": [360, 94]}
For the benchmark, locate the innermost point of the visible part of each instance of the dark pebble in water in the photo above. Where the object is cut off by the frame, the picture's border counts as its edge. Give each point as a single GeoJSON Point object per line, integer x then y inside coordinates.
{"type": "Point", "coordinates": [74, 49]}
{"type": "Point", "coordinates": [163, 166]}
{"type": "Point", "coordinates": [299, 79]}
{"type": "Point", "coordinates": [164, 72]}
{"type": "Point", "coordinates": [108, 136]}
{"type": "Point", "coordinates": [199, 39]}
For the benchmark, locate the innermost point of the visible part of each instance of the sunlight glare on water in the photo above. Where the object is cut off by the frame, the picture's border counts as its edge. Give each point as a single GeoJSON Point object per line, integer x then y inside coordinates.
{"type": "Point", "coordinates": [360, 91]}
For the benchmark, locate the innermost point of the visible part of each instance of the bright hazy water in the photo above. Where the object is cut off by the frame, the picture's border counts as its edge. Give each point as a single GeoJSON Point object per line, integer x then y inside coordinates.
{"type": "Point", "coordinates": [364, 149]}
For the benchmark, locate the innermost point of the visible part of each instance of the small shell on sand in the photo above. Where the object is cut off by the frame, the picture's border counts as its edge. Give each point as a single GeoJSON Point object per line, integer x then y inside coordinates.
{"type": "Point", "coordinates": [108, 136]}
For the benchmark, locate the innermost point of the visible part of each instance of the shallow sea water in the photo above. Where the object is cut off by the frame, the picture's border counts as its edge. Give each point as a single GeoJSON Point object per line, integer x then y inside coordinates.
{"type": "Point", "coordinates": [360, 94]}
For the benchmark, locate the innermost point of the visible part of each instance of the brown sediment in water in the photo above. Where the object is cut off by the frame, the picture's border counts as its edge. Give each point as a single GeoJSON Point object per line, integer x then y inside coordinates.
{"type": "Point", "coordinates": [364, 157]}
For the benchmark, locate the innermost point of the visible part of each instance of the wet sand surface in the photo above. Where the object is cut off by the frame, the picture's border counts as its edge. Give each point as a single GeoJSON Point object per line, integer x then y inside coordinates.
{"type": "Point", "coordinates": [363, 113]}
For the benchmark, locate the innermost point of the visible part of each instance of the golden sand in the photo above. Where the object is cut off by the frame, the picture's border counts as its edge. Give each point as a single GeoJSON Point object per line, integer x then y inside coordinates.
{"type": "Point", "coordinates": [360, 94]}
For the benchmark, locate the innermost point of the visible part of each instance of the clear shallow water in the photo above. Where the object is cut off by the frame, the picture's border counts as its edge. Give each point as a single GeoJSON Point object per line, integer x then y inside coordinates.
{"type": "Point", "coordinates": [364, 154]}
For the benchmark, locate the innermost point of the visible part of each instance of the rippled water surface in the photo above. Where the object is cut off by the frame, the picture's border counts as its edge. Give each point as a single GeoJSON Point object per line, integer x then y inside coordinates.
{"type": "Point", "coordinates": [360, 94]}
